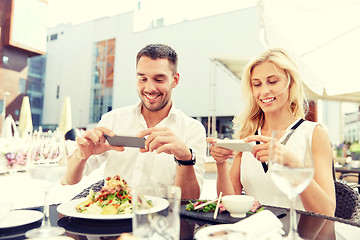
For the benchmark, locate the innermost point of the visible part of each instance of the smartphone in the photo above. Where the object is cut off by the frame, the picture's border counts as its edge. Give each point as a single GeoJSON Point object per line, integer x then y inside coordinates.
{"type": "Point", "coordinates": [125, 141]}
{"type": "Point", "coordinates": [235, 145]}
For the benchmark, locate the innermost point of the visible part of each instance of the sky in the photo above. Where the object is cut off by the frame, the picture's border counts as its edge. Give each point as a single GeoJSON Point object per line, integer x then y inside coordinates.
{"type": "Point", "coordinates": [77, 11]}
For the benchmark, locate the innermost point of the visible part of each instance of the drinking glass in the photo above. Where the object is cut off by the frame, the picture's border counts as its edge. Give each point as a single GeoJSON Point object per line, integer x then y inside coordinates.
{"type": "Point", "coordinates": [162, 225]}
{"type": "Point", "coordinates": [291, 173]}
{"type": "Point", "coordinates": [47, 160]}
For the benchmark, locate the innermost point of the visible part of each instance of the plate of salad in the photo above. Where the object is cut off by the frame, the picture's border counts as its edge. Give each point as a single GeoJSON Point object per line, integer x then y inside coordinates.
{"type": "Point", "coordinates": [113, 201]}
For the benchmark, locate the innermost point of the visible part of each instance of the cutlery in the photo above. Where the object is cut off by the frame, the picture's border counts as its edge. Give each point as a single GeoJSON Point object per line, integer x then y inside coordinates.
{"type": "Point", "coordinates": [217, 206]}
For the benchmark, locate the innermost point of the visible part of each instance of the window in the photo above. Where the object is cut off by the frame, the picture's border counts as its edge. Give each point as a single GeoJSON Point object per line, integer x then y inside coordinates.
{"type": "Point", "coordinates": [102, 79]}
{"type": "Point", "coordinates": [37, 102]}
{"type": "Point", "coordinates": [22, 86]}
{"type": "Point", "coordinates": [1, 105]}
{"type": "Point", "coordinates": [53, 37]}
{"type": "Point", "coordinates": [57, 92]}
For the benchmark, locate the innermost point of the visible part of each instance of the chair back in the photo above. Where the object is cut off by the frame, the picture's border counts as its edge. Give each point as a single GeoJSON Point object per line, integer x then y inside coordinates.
{"type": "Point", "coordinates": [347, 200]}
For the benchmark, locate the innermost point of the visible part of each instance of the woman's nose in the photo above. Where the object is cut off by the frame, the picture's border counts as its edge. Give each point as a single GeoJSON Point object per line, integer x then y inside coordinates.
{"type": "Point", "coordinates": [265, 90]}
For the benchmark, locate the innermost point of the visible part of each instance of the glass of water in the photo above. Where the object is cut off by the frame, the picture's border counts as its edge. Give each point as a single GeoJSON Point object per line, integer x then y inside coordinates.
{"type": "Point", "coordinates": [163, 224]}
{"type": "Point", "coordinates": [291, 172]}
{"type": "Point", "coordinates": [47, 161]}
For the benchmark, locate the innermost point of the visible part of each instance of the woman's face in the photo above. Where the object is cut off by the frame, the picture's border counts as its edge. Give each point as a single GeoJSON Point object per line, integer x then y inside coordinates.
{"type": "Point", "coordinates": [270, 87]}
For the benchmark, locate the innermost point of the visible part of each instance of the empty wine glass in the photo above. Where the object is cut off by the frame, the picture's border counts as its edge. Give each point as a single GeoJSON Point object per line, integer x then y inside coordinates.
{"type": "Point", "coordinates": [47, 160]}
{"type": "Point", "coordinates": [290, 172]}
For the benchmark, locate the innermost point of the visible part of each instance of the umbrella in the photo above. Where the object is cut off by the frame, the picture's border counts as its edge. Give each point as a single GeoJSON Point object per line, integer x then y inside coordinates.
{"type": "Point", "coordinates": [9, 128]}
{"type": "Point", "coordinates": [65, 123]}
{"type": "Point", "coordinates": [25, 120]}
{"type": "Point", "coordinates": [323, 37]}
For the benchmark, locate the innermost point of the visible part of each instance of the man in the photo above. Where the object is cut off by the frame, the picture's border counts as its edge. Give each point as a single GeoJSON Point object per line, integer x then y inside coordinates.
{"type": "Point", "coordinates": [170, 134]}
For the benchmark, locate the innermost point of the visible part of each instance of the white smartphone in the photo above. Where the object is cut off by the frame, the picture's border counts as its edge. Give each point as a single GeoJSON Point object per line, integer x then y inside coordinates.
{"type": "Point", "coordinates": [126, 141]}
{"type": "Point", "coordinates": [235, 145]}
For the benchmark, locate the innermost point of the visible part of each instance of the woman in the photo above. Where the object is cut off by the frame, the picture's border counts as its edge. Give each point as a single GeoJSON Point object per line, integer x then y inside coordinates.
{"type": "Point", "coordinates": [275, 101]}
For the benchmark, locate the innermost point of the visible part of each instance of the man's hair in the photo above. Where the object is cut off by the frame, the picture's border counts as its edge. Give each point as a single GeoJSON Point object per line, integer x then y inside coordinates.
{"type": "Point", "coordinates": [156, 51]}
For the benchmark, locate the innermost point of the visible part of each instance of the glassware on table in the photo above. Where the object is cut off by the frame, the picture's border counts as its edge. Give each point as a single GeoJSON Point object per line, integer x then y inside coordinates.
{"type": "Point", "coordinates": [291, 173]}
{"type": "Point", "coordinates": [47, 161]}
{"type": "Point", "coordinates": [160, 225]}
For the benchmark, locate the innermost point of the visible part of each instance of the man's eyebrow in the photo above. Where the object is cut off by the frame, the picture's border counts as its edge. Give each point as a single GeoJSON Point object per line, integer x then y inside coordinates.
{"type": "Point", "coordinates": [160, 75]}
{"type": "Point", "coordinates": [140, 74]}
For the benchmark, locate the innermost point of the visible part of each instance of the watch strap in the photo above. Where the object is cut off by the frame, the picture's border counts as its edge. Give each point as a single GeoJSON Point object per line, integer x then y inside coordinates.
{"type": "Point", "coordinates": [190, 162]}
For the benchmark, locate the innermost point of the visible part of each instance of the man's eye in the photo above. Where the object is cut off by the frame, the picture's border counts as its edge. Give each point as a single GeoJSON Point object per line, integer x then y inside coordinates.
{"type": "Point", "coordinates": [142, 79]}
{"type": "Point", "coordinates": [159, 80]}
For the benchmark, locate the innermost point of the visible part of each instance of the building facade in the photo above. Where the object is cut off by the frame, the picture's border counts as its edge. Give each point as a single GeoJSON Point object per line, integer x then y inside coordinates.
{"type": "Point", "coordinates": [23, 35]}
{"type": "Point", "coordinates": [94, 64]}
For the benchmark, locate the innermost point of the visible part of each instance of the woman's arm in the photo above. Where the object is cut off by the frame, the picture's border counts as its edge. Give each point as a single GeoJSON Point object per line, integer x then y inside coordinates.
{"type": "Point", "coordinates": [319, 196]}
{"type": "Point", "coordinates": [235, 174]}
{"type": "Point", "coordinates": [221, 156]}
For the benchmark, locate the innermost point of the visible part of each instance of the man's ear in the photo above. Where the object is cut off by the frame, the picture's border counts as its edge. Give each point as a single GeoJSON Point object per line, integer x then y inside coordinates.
{"type": "Point", "coordinates": [176, 80]}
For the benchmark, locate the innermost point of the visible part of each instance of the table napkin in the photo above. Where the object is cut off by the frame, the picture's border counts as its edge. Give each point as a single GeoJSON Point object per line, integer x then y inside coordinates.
{"type": "Point", "coordinates": [263, 225]}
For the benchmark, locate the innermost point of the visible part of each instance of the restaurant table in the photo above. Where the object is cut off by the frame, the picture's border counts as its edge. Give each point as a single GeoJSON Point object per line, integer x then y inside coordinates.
{"type": "Point", "coordinates": [350, 170]}
{"type": "Point", "coordinates": [310, 226]}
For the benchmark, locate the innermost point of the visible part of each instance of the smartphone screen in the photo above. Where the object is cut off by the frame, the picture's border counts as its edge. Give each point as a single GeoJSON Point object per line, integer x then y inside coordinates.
{"type": "Point", "coordinates": [126, 141]}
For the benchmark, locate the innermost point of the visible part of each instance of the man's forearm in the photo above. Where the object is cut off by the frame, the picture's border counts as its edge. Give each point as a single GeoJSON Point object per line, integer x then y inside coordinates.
{"type": "Point", "coordinates": [186, 179]}
{"type": "Point", "coordinates": [75, 169]}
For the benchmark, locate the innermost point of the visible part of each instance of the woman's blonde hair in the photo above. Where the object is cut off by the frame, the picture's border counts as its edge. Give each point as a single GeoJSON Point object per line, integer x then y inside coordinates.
{"type": "Point", "coordinates": [253, 117]}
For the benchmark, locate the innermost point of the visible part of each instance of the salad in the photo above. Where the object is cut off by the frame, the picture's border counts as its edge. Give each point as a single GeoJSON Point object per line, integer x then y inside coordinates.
{"type": "Point", "coordinates": [210, 206]}
{"type": "Point", "coordinates": [113, 198]}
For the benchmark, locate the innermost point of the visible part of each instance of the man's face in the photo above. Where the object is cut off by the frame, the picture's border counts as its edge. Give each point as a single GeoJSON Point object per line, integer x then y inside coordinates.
{"type": "Point", "coordinates": [155, 82]}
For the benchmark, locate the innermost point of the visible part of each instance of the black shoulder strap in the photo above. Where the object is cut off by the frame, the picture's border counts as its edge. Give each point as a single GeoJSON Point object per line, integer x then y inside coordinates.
{"type": "Point", "coordinates": [264, 164]}
{"type": "Point", "coordinates": [293, 128]}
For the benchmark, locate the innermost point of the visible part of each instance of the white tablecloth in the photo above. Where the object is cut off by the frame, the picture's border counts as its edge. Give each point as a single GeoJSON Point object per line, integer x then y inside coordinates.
{"type": "Point", "coordinates": [21, 189]}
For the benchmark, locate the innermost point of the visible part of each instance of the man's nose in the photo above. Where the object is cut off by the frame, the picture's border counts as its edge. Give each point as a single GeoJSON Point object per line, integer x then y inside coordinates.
{"type": "Point", "coordinates": [150, 85]}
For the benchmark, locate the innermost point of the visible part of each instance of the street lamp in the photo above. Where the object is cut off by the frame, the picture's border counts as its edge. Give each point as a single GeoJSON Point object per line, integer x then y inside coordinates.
{"type": "Point", "coordinates": [4, 104]}
{"type": "Point", "coordinates": [3, 114]}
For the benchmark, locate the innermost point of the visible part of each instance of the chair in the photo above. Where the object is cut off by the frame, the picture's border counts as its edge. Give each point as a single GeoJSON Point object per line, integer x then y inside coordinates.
{"type": "Point", "coordinates": [347, 200]}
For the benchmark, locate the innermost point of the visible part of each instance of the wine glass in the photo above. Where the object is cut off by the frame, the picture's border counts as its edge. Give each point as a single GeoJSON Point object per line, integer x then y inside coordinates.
{"type": "Point", "coordinates": [47, 160]}
{"type": "Point", "coordinates": [290, 172]}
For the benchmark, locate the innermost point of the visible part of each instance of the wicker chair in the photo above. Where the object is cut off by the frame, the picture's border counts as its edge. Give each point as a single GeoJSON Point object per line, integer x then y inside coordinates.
{"type": "Point", "coordinates": [347, 200]}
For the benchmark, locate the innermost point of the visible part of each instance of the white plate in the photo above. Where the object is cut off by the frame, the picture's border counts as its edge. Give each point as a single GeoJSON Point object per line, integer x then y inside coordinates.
{"type": "Point", "coordinates": [20, 217]}
{"type": "Point", "coordinates": [220, 231]}
{"type": "Point", "coordinates": [68, 209]}
{"type": "Point", "coordinates": [235, 145]}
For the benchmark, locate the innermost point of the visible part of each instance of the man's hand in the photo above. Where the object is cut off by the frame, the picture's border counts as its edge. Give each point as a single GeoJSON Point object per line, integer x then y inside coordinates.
{"type": "Point", "coordinates": [164, 140]}
{"type": "Point", "coordinates": [93, 142]}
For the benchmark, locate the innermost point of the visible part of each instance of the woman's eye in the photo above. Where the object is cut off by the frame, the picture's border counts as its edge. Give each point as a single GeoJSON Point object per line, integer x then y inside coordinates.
{"type": "Point", "coordinates": [256, 84]}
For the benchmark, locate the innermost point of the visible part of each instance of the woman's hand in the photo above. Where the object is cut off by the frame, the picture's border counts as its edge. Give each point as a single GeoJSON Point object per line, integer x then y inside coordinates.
{"type": "Point", "coordinates": [218, 153]}
{"type": "Point", "coordinates": [262, 151]}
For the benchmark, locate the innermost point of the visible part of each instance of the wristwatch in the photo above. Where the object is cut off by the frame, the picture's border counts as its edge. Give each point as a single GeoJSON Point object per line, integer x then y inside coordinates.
{"type": "Point", "coordinates": [190, 162]}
